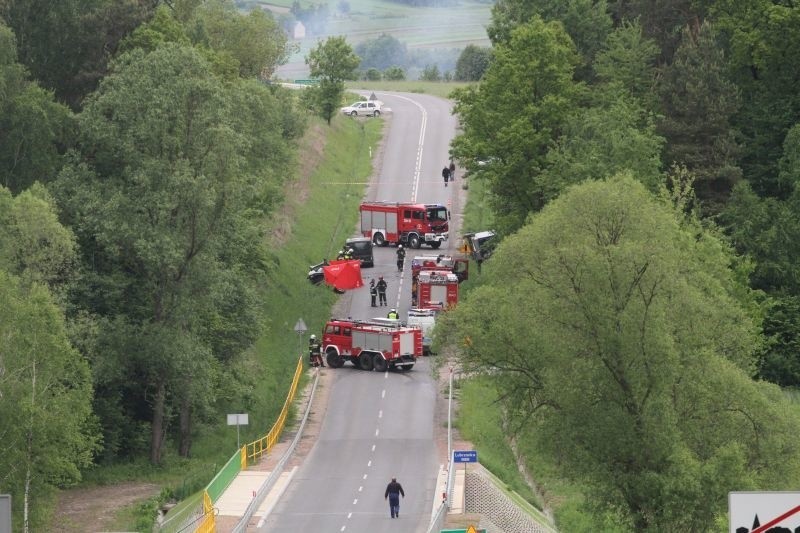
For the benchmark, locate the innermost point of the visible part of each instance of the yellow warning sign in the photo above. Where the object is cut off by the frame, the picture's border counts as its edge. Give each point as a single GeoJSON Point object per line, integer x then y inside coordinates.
{"type": "Point", "coordinates": [471, 529]}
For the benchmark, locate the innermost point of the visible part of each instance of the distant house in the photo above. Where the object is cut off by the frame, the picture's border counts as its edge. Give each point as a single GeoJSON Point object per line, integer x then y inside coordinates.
{"type": "Point", "coordinates": [299, 31]}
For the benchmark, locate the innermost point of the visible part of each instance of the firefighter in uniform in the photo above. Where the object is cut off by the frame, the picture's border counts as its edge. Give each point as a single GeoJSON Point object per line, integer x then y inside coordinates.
{"type": "Point", "coordinates": [381, 286]}
{"type": "Point", "coordinates": [373, 292]}
{"type": "Point", "coordinates": [393, 314]}
{"type": "Point", "coordinates": [401, 256]}
{"type": "Point", "coordinates": [315, 352]}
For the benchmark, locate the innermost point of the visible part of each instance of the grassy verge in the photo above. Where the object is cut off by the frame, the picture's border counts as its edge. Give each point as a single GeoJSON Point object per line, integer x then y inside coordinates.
{"type": "Point", "coordinates": [311, 225]}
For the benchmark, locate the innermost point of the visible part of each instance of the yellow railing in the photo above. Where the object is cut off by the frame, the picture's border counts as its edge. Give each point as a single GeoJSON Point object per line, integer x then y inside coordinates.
{"type": "Point", "coordinates": [209, 522]}
{"type": "Point", "coordinates": [253, 451]}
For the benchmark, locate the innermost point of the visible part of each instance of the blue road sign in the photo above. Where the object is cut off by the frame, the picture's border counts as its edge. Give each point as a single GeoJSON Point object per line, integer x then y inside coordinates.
{"type": "Point", "coordinates": [467, 456]}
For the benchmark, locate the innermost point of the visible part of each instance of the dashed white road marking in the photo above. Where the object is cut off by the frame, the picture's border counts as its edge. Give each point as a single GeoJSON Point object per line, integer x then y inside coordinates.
{"type": "Point", "coordinates": [377, 432]}
{"type": "Point", "coordinates": [380, 413]}
{"type": "Point", "coordinates": [383, 393]}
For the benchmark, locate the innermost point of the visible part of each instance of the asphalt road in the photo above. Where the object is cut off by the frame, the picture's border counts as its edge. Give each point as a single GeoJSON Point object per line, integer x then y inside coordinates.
{"type": "Point", "coordinates": [380, 425]}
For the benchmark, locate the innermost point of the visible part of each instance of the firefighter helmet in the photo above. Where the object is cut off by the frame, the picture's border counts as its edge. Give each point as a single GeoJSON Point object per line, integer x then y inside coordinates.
{"type": "Point", "coordinates": [313, 336]}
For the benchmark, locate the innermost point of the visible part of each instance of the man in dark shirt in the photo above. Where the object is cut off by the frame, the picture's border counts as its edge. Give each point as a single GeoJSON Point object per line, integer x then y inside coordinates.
{"type": "Point", "coordinates": [393, 492]}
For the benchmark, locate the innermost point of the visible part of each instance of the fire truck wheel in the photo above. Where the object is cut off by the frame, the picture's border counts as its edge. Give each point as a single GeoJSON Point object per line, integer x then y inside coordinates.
{"type": "Point", "coordinates": [405, 368]}
{"type": "Point", "coordinates": [380, 363]}
{"type": "Point", "coordinates": [436, 244]}
{"type": "Point", "coordinates": [414, 242]}
{"type": "Point", "coordinates": [334, 360]}
{"type": "Point", "coordinates": [365, 361]}
{"type": "Point", "coordinates": [379, 240]}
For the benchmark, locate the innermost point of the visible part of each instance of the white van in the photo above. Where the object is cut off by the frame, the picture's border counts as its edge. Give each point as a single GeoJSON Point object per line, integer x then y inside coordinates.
{"type": "Point", "coordinates": [424, 319]}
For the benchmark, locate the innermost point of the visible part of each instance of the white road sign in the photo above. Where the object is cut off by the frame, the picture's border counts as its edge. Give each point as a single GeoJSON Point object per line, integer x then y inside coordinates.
{"type": "Point", "coordinates": [757, 512]}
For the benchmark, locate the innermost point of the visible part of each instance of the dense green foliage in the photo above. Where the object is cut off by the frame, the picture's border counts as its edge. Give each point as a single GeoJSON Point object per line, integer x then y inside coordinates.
{"type": "Point", "coordinates": [133, 283]}
{"type": "Point", "coordinates": [697, 101]}
{"type": "Point", "coordinates": [658, 416]}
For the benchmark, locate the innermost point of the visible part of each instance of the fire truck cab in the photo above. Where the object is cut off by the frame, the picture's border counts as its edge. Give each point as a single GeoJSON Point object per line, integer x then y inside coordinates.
{"type": "Point", "coordinates": [371, 344]}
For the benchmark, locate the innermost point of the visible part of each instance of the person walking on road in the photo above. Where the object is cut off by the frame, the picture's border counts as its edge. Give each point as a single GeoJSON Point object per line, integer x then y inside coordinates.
{"type": "Point", "coordinates": [393, 492]}
{"type": "Point", "coordinates": [452, 170]}
{"type": "Point", "coordinates": [373, 292]}
{"type": "Point", "coordinates": [446, 174]}
{"type": "Point", "coordinates": [381, 286]}
{"type": "Point", "coordinates": [401, 256]}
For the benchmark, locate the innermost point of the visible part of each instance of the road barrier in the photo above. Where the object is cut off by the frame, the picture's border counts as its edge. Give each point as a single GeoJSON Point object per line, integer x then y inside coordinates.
{"type": "Point", "coordinates": [201, 517]}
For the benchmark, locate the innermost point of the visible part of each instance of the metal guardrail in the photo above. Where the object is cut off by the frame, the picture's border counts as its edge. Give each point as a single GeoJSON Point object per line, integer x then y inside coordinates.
{"type": "Point", "coordinates": [437, 522]}
{"type": "Point", "coordinates": [256, 502]}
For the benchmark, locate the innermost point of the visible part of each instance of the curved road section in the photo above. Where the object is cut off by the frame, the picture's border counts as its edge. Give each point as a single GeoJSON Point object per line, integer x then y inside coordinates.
{"type": "Point", "coordinates": [381, 425]}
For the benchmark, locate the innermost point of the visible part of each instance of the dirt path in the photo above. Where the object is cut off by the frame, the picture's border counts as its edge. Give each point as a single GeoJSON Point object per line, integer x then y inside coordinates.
{"type": "Point", "coordinates": [91, 509]}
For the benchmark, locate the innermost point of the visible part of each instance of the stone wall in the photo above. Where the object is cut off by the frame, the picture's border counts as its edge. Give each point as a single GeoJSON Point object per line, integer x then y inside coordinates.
{"type": "Point", "coordinates": [499, 513]}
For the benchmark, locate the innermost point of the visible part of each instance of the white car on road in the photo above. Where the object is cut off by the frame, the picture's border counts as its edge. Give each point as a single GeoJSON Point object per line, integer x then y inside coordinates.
{"type": "Point", "coordinates": [365, 108]}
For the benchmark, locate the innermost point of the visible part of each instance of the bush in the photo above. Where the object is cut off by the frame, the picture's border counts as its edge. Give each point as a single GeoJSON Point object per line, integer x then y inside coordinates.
{"type": "Point", "coordinates": [394, 73]}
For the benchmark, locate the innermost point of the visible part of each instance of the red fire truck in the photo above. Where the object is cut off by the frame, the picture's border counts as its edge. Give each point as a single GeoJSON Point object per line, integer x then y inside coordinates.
{"type": "Point", "coordinates": [458, 266]}
{"type": "Point", "coordinates": [436, 289]}
{"type": "Point", "coordinates": [371, 344]}
{"type": "Point", "coordinates": [405, 223]}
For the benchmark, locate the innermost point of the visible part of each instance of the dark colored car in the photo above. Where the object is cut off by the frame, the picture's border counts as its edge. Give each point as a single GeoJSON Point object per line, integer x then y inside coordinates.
{"type": "Point", "coordinates": [362, 249]}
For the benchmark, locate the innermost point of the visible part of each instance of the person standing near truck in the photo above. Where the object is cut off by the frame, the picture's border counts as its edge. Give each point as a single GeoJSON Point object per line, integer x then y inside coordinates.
{"type": "Point", "coordinates": [373, 292]}
{"type": "Point", "coordinates": [381, 286]}
{"type": "Point", "coordinates": [401, 256]}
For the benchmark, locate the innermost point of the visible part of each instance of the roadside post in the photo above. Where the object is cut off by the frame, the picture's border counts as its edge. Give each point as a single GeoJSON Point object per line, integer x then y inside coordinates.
{"type": "Point", "coordinates": [300, 328]}
{"type": "Point", "coordinates": [465, 456]}
{"type": "Point", "coordinates": [238, 419]}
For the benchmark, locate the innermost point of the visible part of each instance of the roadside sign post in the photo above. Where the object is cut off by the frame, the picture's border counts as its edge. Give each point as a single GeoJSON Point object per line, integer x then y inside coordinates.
{"type": "Point", "coordinates": [238, 419]}
{"type": "Point", "coordinates": [300, 328]}
{"type": "Point", "coordinates": [465, 456]}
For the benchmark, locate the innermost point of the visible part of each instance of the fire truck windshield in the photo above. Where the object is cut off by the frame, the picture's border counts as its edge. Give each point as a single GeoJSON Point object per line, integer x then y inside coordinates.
{"type": "Point", "coordinates": [437, 213]}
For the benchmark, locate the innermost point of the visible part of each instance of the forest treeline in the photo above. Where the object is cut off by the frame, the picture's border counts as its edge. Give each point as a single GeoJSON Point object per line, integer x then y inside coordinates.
{"type": "Point", "coordinates": [140, 158]}
{"type": "Point", "coordinates": [642, 159]}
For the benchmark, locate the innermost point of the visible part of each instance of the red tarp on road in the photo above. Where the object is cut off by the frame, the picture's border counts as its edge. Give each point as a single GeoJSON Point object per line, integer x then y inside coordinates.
{"type": "Point", "coordinates": [344, 275]}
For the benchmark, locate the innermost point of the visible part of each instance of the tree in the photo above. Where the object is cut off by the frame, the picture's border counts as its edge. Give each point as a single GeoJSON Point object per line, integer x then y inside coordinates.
{"type": "Point", "coordinates": [614, 135]}
{"type": "Point", "coordinates": [699, 103]}
{"type": "Point", "coordinates": [34, 129]}
{"type": "Point", "coordinates": [255, 41]}
{"type": "Point", "coordinates": [514, 116]}
{"type": "Point", "coordinates": [332, 62]}
{"type": "Point", "coordinates": [586, 21]}
{"type": "Point", "coordinates": [382, 52]}
{"type": "Point", "coordinates": [430, 73]}
{"type": "Point", "coordinates": [162, 203]}
{"type": "Point", "coordinates": [603, 342]}
{"type": "Point", "coordinates": [48, 434]}
{"type": "Point", "coordinates": [472, 63]}
{"type": "Point", "coordinates": [394, 73]}
{"type": "Point", "coordinates": [764, 56]}
{"type": "Point", "coordinates": [67, 45]}
{"type": "Point", "coordinates": [34, 246]}
{"type": "Point", "coordinates": [628, 59]}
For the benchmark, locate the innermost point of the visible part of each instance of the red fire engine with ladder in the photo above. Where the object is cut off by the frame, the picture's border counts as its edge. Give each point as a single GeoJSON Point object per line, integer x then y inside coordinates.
{"type": "Point", "coordinates": [376, 344]}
